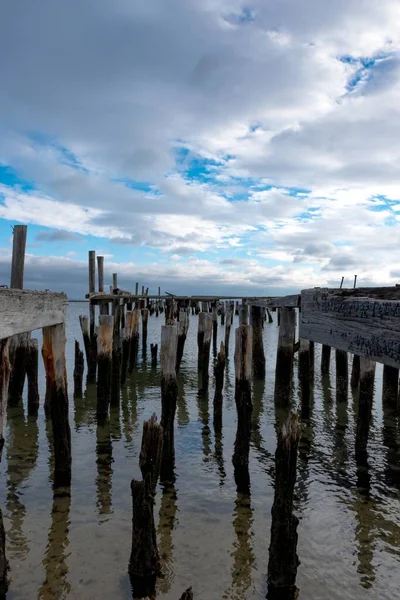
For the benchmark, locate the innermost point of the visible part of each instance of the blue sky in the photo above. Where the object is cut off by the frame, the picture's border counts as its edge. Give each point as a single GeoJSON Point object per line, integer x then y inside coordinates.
{"type": "Point", "coordinates": [201, 146]}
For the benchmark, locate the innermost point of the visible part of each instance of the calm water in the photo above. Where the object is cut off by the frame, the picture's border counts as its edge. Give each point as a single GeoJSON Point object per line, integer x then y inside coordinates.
{"type": "Point", "coordinates": [209, 536]}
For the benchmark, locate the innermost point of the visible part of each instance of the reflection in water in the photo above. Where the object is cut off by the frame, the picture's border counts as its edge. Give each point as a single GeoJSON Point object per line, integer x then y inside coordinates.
{"type": "Point", "coordinates": [363, 507]}
{"type": "Point", "coordinates": [204, 417]}
{"type": "Point", "coordinates": [56, 584]}
{"type": "Point", "coordinates": [22, 453]}
{"type": "Point", "coordinates": [182, 413]}
{"type": "Point", "coordinates": [85, 408]}
{"type": "Point", "coordinates": [340, 449]}
{"type": "Point", "coordinates": [167, 519]}
{"type": "Point", "coordinates": [391, 443]}
{"type": "Point", "coordinates": [104, 461]}
{"type": "Point", "coordinates": [243, 551]}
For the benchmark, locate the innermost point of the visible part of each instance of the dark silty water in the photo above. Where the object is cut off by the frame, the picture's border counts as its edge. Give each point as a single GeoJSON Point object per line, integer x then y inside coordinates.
{"type": "Point", "coordinates": [209, 537]}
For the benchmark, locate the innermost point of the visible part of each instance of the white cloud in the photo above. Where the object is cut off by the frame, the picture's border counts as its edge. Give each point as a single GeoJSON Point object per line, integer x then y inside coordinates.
{"type": "Point", "coordinates": [280, 94]}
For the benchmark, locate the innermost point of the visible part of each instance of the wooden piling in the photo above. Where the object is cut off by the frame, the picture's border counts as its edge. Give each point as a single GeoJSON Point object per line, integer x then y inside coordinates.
{"type": "Point", "coordinates": [355, 372]}
{"type": "Point", "coordinates": [243, 368]}
{"type": "Point", "coordinates": [304, 375]}
{"type": "Point", "coordinates": [5, 369]}
{"type": "Point", "coordinates": [284, 356]}
{"type": "Point", "coordinates": [183, 327]}
{"type": "Point", "coordinates": [256, 321]}
{"type": "Point", "coordinates": [325, 359]}
{"type": "Point", "coordinates": [53, 352]}
{"type": "Point", "coordinates": [100, 278]}
{"type": "Point", "coordinates": [365, 399]}
{"type": "Point", "coordinates": [390, 387]}
{"type": "Point", "coordinates": [342, 375]}
{"type": "Point", "coordinates": [270, 319]}
{"type": "Point", "coordinates": [204, 342]}
{"type": "Point", "coordinates": [91, 357]}
{"type": "Point", "coordinates": [228, 325]}
{"type": "Point", "coordinates": [154, 352]}
{"type": "Point", "coordinates": [92, 289]}
{"type": "Point", "coordinates": [283, 559]}
{"type": "Point", "coordinates": [78, 371]}
{"type": "Point", "coordinates": [18, 349]}
{"type": "Point", "coordinates": [116, 363]}
{"type": "Point", "coordinates": [144, 562]}
{"type": "Point", "coordinates": [134, 350]}
{"type": "Point", "coordinates": [126, 345]}
{"type": "Point", "coordinates": [215, 328]}
{"type": "Point", "coordinates": [223, 313]}
{"type": "Point", "coordinates": [18, 256]}
{"type": "Point", "coordinates": [169, 395]}
{"type": "Point", "coordinates": [243, 313]}
{"type": "Point", "coordinates": [219, 384]}
{"type": "Point", "coordinates": [32, 366]}
{"type": "Point", "coordinates": [104, 358]}
{"type": "Point", "coordinates": [187, 594]}
{"type": "Point", "coordinates": [145, 320]}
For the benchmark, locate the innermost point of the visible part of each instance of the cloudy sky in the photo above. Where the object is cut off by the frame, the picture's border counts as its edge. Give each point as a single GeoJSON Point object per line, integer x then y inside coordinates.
{"type": "Point", "coordinates": [208, 145]}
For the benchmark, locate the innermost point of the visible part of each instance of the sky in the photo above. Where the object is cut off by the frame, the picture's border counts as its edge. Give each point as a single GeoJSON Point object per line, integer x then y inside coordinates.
{"type": "Point", "coordinates": [204, 147]}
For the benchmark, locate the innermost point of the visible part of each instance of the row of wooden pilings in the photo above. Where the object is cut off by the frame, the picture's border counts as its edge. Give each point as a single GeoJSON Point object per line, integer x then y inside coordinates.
{"type": "Point", "coordinates": [117, 355]}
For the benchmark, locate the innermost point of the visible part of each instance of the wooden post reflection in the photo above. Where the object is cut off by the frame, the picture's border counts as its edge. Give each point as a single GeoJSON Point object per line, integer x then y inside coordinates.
{"type": "Point", "coordinates": [166, 523]}
{"type": "Point", "coordinates": [104, 465]}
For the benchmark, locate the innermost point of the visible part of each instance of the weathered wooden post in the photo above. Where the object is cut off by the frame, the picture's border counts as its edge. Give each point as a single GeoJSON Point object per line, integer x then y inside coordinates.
{"type": "Point", "coordinates": [5, 370]}
{"type": "Point", "coordinates": [169, 395]}
{"type": "Point", "coordinates": [18, 343]}
{"type": "Point", "coordinates": [154, 352]}
{"type": "Point", "coordinates": [187, 594]}
{"type": "Point", "coordinates": [365, 399]}
{"type": "Point", "coordinates": [215, 327]}
{"type": "Point", "coordinates": [183, 327]}
{"type": "Point", "coordinates": [116, 362]}
{"type": "Point", "coordinates": [325, 359]}
{"type": "Point", "coordinates": [32, 366]}
{"type": "Point", "coordinates": [100, 276]}
{"type": "Point", "coordinates": [228, 325]}
{"type": "Point", "coordinates": [269, 316]}
{"type": "Point", "coordinates": [355, 372]}
{"type": "Point", "coordinates": [243, 368]}
{"type": "Point", "coordinates": [126, 344]}
{"type": "Point", "coordinates": [256, 321]}
{"type": "Point", "coordinates": [304, 375]}
{"type": "Point", "coordinates": [223, 308]}
{"type": "Point", "coordinates": [78, 371]}
{"type": "Point", "coordinates": [244, 313]}
{"type": "Point", "coordinates": [390, 387]}
{"type": "Point", "coordinates": [283, 559]}
{"type": "Point", "coordinates": [144, 562]}
{"type": "Point", "coordinates": [284, 356]}
{"type": "Point", "coordinates": [145, 320]}
{"type": "Point", "coordinates": [104, 361]}
{"type": "Point", "coordinates": [53, 353]}
{"type": "Point", "coordinates": [133, 353]}
{"type": "Point", "coordinates": [91, 359]}
{"type": "Point", "coordinates": [92, 289]}
{"type": "Point", "coordinates": [204, 343]}
{"type": "Point", "coordinates": [342, 375]}
{"type": "Point", "coordinates": [219, 384]}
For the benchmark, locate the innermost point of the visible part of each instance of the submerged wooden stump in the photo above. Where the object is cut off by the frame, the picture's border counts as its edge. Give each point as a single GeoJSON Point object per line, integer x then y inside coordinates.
{"type": "Point", "coordinates": [365, 399]}
{"type": "Point", "coordinates": [54, 361]}
{"type": "Point", "coordinates": [78, 371]}
{"type": "Point", "coordinates": [284, 356]}
{"type": "Point", "coordinates": [219, 384]}
{"type": "Point", "coordinates": [169, 395]}
{"type": "Point", "coordinates": [283, 559]}
{"type": "Point", "coordinates": [187, 594]}
{"type": "Point", "coordinates": [183, 327]}
{"type": "Point", "coordinates": [256, 321]}
{"type": "Point", "coordinates": [104, 358]}
{"type": "Point", "coordinates": [144, 562]}
{"type": "Point", "coordinates": [154, 352]}
{"type": "Point", "coordinates": [244, 407]}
